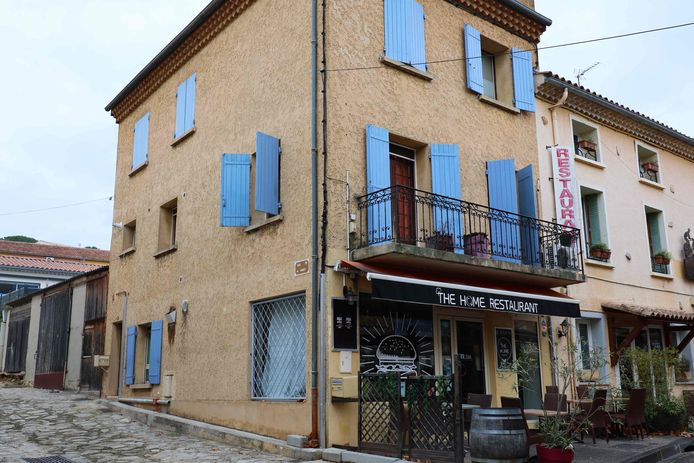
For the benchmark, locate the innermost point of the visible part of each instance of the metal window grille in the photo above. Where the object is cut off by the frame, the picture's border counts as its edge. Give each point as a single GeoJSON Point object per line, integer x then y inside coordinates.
{"type": "Point", "coordinates": [279, 349]}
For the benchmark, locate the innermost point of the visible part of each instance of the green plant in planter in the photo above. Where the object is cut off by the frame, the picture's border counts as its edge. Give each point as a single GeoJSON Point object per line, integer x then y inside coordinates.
{"type": "Point", "coordinates": [600, 247]}
{"type": "Point", "coordinates": [662, 256]}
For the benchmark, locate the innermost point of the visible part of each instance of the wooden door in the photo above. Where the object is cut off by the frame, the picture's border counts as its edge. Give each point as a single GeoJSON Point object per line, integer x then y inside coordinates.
{"type": "Point", "coordinates": [54, 328]}
{"type": "Point", "coordinates": [402, 179]}
{"type": "Point", "coordinates": [92, 344]}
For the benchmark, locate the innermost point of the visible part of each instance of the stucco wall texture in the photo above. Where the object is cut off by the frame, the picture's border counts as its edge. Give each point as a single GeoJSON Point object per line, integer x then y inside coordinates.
{"type": "Point", "coordinates": [254, 76]}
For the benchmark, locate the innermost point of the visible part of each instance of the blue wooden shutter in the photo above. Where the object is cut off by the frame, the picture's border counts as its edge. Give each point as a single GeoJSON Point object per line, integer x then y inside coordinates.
{"type": "Point", "coordinates": [473, 59]}
{"type": "Point", "coordinates": [527, 205]}
{"type": "Point", "coordinates": [155, 351]}
{"type": "Point", "coordinates": [503, 199]}
{"type": "Point", "coordinates": [180, 110]}
{"type": "Point", "coordinates": [190, 102]}
{"type": "Point", "coordinates": [130, 355]}
{"type": "Point", "coordinates": [379, 218]}
{"type": "Point", "coordinates": [404, 32]}
{"type": "Point", "coordinates": [267, 173]}
{"type": "Point", "coordinates": [140, 136]}
{"type": "Point", "coordinates": [235, 191]}
{"type": "Point", "coordinates": [523, 84]}
{"type": "Point", "coordinates": [445, 181]}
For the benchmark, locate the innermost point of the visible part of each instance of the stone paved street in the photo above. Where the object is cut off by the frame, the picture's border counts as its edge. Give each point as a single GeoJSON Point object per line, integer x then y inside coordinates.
{"type": "Point", "coordinates": [37, 423]}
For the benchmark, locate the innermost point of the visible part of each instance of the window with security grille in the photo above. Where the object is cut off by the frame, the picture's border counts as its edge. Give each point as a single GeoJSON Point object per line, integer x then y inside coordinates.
{"type": "Point", "coordinates": [279, 349]}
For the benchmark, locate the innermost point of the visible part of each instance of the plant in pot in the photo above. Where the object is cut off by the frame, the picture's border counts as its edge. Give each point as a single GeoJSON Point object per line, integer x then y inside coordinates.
{"type": "Point", "coordinates": [567, 238]}
{"type": "Point", "coordinates": [600, 251]}
{"type": "Point", "coordinates": [650, 166]}
{"type": "Point", "coordinates": [662, 257]}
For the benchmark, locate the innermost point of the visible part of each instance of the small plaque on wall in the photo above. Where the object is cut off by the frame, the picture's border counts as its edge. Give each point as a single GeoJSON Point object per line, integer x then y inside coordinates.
{"type": "Point", "coordinates": [345, 327]}
{"type": "Point", "coordinates": [504, 348]}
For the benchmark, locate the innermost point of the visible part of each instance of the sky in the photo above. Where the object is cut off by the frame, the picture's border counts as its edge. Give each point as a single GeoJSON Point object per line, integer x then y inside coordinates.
{"type": "Point", "coordinates": [65, 60]}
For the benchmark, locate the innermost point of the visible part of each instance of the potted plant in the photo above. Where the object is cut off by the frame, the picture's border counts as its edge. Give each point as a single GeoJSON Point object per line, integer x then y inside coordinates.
{"type": "Point", "coordinates": [556, 441]}
{"type": "Point", "coordinates": [476, 244]}
{"type": "Point", "coordinates": [650, 166]}
{"type": "Point", "coordinates": [587, 145]}
{"type": "Point", "coordinates": [600, 251]}
{"type": "Point", "coordinates": [662, 257]}
{"type": "Point", "coordinates": [567, 238]}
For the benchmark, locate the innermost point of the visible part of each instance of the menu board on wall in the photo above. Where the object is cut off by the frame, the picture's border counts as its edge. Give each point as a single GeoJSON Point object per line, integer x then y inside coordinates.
{"type": "Point", "coordinates": [344, 325]}
{"type": "Point", "coordinates": [504, 348]}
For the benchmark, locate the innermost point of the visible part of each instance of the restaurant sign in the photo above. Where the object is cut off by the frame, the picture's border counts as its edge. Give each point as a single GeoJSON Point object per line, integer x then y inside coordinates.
{"type": "Point", "coordinates": [472, 297]}
{"type": "Point", "coordinates": [565, 187]}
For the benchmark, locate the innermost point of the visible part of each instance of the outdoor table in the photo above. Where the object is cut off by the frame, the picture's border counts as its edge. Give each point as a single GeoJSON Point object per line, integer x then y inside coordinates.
{"type": "Point", "coordinates": [538, 412]}
{"type": "Point", "coordinates": [466, 407]}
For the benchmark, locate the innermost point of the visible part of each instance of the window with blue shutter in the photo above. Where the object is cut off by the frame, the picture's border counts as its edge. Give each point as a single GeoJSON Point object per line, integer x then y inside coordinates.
{"type": "Point", "coordinates": [130, 355]}
{"type": "Point", "coordinates": [445, 181]}
{"type": "Point", "coordinates": [379, 218]}
{"type": "Point", "coordinates": [523, 83]}
{"type": "Point", "coordinates": [235, 190]}
{"type": "Point", "coordinates": [140, 141]}
{"type": "Point", "coordinates": [267, 174]}
{"type": "Point", "coordinates": [155, 337]}
{"type": "Point", "coordinates": [503, 200]}
{"type": "Point", "coordinates": [473, 59]}
{"type": "Point", "coordinates": [185, 106]}
{"type": "Point", "coordinates": [527, 207]}
{"type": "Point", "coordinates": [404, 32]}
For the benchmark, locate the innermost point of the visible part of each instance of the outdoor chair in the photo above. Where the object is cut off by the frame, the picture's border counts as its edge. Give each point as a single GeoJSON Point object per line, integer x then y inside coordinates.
{"type": "Point", "coordinates": [582, 391]}
{"type": "Point", "coordinates": [552, 389]}
{"type": "Point", "coordinates": [551, 402]}
{"type": "Point", "coordinates": [690, 404]}
{"type": "Point", "coordinates": [483, 400]}
{"type": "Point", "coordinates": [634, 419]}
{"type": "Point", "coordinates": [534, 437]}
{"type": "Point", "coordinates": [596, 416]}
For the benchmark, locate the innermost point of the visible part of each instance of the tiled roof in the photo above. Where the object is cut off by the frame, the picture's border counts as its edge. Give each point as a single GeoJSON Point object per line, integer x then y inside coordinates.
{"type": "Point", "coordinates": [651, 312]}
{"type": "Point", "coordinates": [47, 263]}
{"type": "Point", "coordinates": [55, 251]}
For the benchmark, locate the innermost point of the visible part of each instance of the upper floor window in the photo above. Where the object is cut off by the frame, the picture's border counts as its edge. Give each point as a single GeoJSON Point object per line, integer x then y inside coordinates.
{"type": "Point", "coordinates": [649, 166]}
{"type": "Point", "coordinates": [185, 107]}
{"type": "Point", "coordinates": [140, 142]}
{"type": "Point", "coordinates": [129, 236]}
{"type": "Point", "coordinates": [586, 141]}
{"type": "Point", "coordinates": [657, 244]}
{"type": "Point", "coordinates": [168, 227]}
{"type": "Point", "coordinates": [595, 224]}
{"type": "Point", "coordinates": [490, 73]}
{"type": "Point", "coordinates": [404, 32]}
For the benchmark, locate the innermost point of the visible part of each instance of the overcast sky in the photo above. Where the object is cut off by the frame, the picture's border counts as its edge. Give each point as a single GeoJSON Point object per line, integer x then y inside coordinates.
{"type": "Point", "coordinates": [64, 60]}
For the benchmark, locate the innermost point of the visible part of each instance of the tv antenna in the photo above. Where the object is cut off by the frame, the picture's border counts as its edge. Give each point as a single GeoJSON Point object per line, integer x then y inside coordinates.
{"type": "Point", "coordinates": [582, 72]}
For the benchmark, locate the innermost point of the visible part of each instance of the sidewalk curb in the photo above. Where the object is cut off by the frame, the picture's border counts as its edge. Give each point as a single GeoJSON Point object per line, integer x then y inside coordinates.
{"type": "Point", "coordinates": [675, 447]}
{"type": "Point", "coordinates": [203, 430]}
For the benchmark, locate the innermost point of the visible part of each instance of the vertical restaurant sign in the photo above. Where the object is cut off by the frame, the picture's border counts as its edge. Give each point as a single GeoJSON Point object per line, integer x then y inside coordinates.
{"type": "Point", "coordinates": [565, 186]}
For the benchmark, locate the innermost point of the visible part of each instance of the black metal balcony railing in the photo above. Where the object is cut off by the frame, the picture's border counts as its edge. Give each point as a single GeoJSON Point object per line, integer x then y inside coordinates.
{"type": "Point", "coordinates": [658, 267]}
{"type": "Point", "coordinates": [409, 216]}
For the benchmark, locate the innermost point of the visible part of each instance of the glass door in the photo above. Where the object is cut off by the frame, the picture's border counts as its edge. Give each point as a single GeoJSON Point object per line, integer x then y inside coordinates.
{"type": "Point", "coordinates": [528, 350]}
{"type": "Point", "coordinates": [470, 352]}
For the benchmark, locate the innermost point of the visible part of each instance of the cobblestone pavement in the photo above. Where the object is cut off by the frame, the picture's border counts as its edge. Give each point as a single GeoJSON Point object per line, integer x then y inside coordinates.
{"type": "Point", "coordinates": [37, 423]}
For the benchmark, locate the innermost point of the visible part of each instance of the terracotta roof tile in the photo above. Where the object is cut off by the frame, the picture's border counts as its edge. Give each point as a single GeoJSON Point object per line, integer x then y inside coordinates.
{"type": "Point", "coordinates": [651, 312]}
{"type": "Point", "coordinates": [55, 251]}
{"type": "Point", "coordinates": [48, 263]}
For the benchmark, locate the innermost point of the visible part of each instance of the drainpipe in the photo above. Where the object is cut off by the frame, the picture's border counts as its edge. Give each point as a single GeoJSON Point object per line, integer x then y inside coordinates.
{"type": "Point", "coordinates": [123, 331]}
{"type": "Point", "coordinates": [152, 401]}
{"type": "Point", "coordinates": [553, 116]}
{"type": "Point", "coordinates": [314, 221]}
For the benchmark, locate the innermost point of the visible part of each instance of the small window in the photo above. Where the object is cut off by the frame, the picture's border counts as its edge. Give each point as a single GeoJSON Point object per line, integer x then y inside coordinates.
{"type": "Point", "coordinates": [129, 236]}
{"type": "Point", "coordinates": [489, 75]}
{"type": "Point", "coordinates": [585, 344]}
{"type": "Point", "coordinates": [683, 368]}
{"type": "Point", "coordinates": [657, 245]}
{"type": "Point", "coordinates": [168, 226]}
{"type": "Point", "coordinates": [649, 167]}
{"type": "Point", "coordinates": [586, 142]}
{"type": "Point", "coordinates": [497, 72]}
{"type": "Point", "coordinates": [140, 142]}
{"type": "Point", "coordinates": [279, 349]}
{"type": "Point", "coordinates": [145, 337]}
{"type": "Point", "coordinates": [404, 32]}
{"type": "Point", "coordinates": [595, 225]}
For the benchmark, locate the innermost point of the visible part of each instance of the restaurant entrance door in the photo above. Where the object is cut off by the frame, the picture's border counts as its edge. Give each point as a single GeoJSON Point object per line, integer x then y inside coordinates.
{"type": "Point", "coordinates": [528, 349]}
{"type": "Point", "coordinates": [463, 339]}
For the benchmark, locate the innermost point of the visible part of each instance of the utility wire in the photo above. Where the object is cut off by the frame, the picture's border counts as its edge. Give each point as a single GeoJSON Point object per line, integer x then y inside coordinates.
{"type": "Point", "coordinates": [548, 47]}
{"type": "Point", "coordinates": [109, 198]}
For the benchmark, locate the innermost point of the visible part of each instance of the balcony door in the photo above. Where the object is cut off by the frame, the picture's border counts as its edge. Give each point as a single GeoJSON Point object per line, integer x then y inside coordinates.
{"type": "Point", "coordinates": [402, 181]}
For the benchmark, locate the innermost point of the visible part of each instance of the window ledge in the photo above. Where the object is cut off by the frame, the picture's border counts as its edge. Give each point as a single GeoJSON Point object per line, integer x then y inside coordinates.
{"type": "Point", "coordinates": [590, 162]}
{"type": "Point", "coordinates": [268, 221]}
{"type": "Point", "coordinates": [166, 251]}
{"type": "Point", "coordinates": [140, 387]}
{"type": "Point", "coordinates": [665, 276]}
{"type": "Point", "coordinates": [645, 181]}
{"type": "Point", "coordinates": [499, 104]}
{"type": "Point", "coordinates": [183, 136]}
{"type": "Point", "coordinates": [406, 68]}
{"type": "Point", "coordinates": [127, 251]}
{"type": "Point", "coordinates": [598, 263]}
{"type": "Point", "coordinates": [138, 168]}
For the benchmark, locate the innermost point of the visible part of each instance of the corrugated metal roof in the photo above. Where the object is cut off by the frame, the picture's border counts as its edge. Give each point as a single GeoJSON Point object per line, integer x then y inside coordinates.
{"type": "Point", "coordinates": [47, 263]}
{"type": "Point", "coordinates": [51, 250]}
{"type": "Point", "coordinates": [651, 312]}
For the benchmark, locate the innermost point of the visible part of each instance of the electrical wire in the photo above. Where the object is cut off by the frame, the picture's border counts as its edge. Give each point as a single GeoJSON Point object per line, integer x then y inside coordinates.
{"type": "Point", "coordinates": [109, 198]}
{"type": "Point", "coordinates": [548, 47]}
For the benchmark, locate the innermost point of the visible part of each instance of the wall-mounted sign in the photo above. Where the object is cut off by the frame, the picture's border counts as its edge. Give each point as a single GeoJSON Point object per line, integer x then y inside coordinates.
{"type": "Point", "coordinates": [345, 327]}
{"type": "Point", "coordinates": [565, 187]}
{"type": "Point", "coordinates": [301, 267]}
{"type": "Point", "coordinates": [504, 348]}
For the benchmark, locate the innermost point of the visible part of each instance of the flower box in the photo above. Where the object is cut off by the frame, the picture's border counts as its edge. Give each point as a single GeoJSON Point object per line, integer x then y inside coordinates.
{"type": "Point", "coordinates": [440, 241]}
{"type": "Point", "coordinates": [588, 145]}
{"type": "Point", "coordinates": [662, 260]}
{"type": "Point", "coordinates": [601, 253]}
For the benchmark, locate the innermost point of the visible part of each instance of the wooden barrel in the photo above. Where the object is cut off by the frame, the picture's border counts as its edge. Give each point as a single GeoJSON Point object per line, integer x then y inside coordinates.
{"type": "Point", "coordinates": [498, 435]}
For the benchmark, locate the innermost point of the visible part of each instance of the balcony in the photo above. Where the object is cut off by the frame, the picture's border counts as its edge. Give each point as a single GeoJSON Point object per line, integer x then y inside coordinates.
{"type": "Point", "coordinates": [408, 227]}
